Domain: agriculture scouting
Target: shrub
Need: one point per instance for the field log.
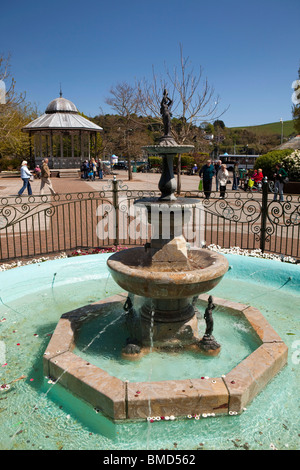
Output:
(186, 161)
(155, 162)
(7, 163)
(268, 161)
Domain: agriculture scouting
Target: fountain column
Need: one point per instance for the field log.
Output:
(162, 273)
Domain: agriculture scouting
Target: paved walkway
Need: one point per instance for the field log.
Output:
(67, 222)
(9, 186)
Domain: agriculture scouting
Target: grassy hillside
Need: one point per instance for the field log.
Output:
(271, 128)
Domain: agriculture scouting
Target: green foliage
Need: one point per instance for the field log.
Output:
(209, 129)
(7, 163)
(155, 162)
(187, 161)
(268, 161)
(219, 123)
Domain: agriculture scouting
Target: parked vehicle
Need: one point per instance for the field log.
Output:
(120, 166)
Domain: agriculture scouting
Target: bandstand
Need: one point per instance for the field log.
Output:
(62, 135)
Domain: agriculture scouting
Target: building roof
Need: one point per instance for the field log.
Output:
(293, 143)
(61, 114)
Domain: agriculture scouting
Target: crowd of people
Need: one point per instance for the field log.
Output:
(252, 181)
(90, 169)
(93, 168)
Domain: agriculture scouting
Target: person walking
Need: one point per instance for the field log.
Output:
(280, 175)
(25, 175)
(236, 177)
(217, 166)
(45, 178)
(208, 172)
(222, 178)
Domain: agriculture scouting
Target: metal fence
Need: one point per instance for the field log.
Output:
(38, 225)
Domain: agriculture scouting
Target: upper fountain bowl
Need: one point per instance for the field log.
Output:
(134, 271)
(168, 146)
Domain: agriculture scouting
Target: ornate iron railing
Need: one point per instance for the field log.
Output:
(31, 226)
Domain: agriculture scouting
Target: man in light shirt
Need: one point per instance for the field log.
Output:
(25, 175)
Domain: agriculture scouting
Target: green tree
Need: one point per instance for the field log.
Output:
(14, 114)
(219, 123)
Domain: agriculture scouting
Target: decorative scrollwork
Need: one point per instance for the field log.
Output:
(245, 210)
(256, 230)
(122, 186)
(284, 214)
(50, 211)
(237, 210)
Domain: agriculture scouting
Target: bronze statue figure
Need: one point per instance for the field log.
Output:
(208, 317)
(208, 342)
(165, 107)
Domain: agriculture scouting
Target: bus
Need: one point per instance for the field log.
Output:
(246, 162)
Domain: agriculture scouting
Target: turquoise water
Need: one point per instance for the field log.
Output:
(236, 336)
(37, 415)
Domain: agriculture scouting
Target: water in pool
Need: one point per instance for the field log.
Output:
(106, 350)
(35, 414)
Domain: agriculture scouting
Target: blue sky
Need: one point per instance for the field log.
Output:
(249, 50)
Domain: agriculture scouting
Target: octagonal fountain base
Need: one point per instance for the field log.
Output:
(123, 400)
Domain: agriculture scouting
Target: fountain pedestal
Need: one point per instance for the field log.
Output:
(170, 322)
(167, 275)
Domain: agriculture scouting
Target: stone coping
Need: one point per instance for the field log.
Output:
(168, 399)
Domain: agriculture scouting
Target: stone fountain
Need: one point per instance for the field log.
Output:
(166, 274)
(164, 280)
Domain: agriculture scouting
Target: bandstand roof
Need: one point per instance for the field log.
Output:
(61, 114)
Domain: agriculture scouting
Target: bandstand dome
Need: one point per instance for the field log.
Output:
(61, 105)
(63, 135)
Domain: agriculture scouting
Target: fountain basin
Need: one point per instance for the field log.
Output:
(134, 271)
(121, 400)
(60, 411)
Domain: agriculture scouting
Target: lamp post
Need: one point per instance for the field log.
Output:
(281, 120)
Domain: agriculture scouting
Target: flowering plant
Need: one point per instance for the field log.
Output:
(291, 163)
